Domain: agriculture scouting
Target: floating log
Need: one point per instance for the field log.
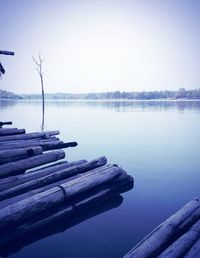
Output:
(13, 181)
(45, 145)
(56, 195)
(165, 234)
(56, 176)
(59, 145)
(13, 240)
(8, 53)
(5, 123)
(181, 246)
(69, 210)
(194, 250)
(44, 135)
(18, 167)
(11, 131)
(17, 154)
(38, 190)
(124, 183)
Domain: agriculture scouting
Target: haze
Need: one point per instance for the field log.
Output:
(95, 46)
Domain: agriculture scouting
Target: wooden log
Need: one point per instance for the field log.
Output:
(54, 177)
(34, 140)
(44, 135)
(38, 190)
(5, 52)
(194, 250)
(5, 123)
(17, 154)
(14, 168)
(11, 131)
(68, 211)
(7, 145)
(56, 196)
(12, 181)
(181, 246)
(59, 145)
(166, 233)
(2, 70)
(45, 145)
(69, 215)
(123, 183)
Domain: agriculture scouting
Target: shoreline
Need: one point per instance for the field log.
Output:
(106, 100)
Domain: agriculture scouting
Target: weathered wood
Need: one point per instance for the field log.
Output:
(5, 52)
(59, 145)
(45, 145)
(5, 123)
(181, 246)
(56, 176)
(123, 183)
(34, 140)
(11, 131)
(166, 233)
(69, 215)
(44, 135)
(56, 195)
(14, 168)
(17, 154)
(194, 250)
(10, 182)
(67, 211)
(2, 70)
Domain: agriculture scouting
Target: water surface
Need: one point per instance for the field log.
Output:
(157, 142)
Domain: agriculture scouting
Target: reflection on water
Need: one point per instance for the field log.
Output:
(157, 142)
(59, 224)
(6, 103)
(118, 106)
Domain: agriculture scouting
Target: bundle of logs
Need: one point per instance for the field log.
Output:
(177, 237)
(36, 195)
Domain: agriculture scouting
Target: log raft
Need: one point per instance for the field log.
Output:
(37, 189)
(177, 237)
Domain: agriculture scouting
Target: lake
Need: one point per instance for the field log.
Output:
(157, 142)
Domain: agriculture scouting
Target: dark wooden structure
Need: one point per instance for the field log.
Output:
(35, 195)
(4, 52)
(177, 237)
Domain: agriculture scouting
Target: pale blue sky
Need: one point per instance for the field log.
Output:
(102, 45)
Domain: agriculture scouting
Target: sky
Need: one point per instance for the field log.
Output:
(101, 45)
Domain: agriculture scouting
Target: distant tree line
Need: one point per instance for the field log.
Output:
(144, 95)
(8, 95)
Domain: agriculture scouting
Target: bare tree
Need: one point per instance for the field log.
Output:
(39, 67)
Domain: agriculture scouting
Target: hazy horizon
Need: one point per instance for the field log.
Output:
(101, 46)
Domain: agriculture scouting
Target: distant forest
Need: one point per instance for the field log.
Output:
(144, 95)
(8, 95)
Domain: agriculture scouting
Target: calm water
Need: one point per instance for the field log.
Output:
(158, 143)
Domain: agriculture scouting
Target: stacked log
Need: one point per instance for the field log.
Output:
(17, 154)
(175, 237)
(11, 131)
(34, 197)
